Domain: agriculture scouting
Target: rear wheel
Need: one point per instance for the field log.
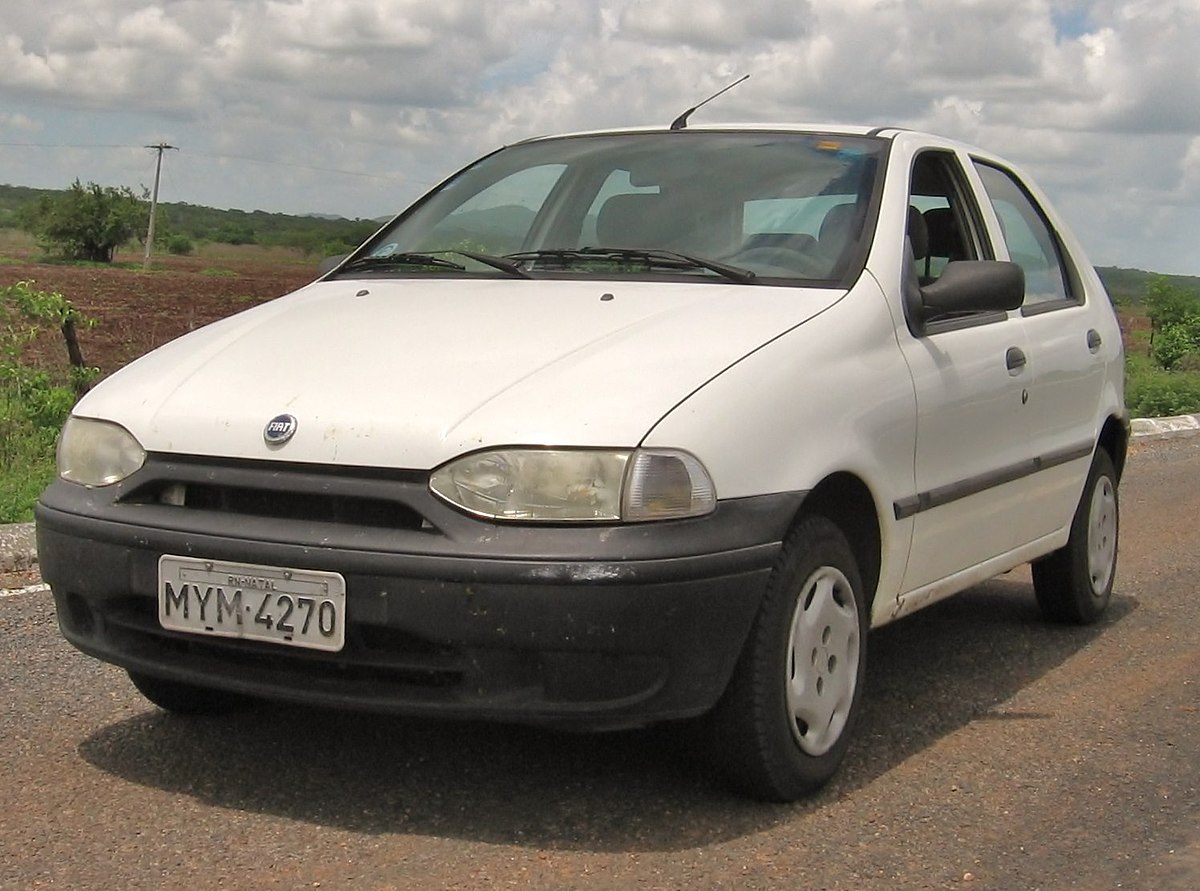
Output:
(785, 722)
(183, 698)
(1074, 584)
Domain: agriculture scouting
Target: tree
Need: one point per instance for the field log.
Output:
(87, 222)
(1168, 304)
(1174, 323)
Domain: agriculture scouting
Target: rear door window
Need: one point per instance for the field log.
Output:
(1031, 241)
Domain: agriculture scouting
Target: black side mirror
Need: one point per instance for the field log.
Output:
(968, 286)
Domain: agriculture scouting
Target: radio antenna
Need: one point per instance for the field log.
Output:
(680, 122)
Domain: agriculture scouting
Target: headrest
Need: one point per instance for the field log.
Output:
(836, 224)
(629, 220)
(942, 233)
(918, 233)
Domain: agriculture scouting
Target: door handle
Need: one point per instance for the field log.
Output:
(1015, 359)
(1094, 340)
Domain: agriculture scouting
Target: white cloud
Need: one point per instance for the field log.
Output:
(19, 123)
(149, 29)
(1191, 171)
(1100, 99)
(713, 24)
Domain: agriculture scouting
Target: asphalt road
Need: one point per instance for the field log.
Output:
(996, 752)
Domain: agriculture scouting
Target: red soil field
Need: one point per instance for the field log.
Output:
(136, 311)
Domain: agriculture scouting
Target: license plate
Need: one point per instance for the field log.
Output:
(293, 607)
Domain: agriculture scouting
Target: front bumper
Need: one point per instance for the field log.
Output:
(588, 627)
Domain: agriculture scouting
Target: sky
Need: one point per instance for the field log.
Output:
(356, 107)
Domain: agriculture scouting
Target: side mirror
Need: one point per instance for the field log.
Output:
(969, 286)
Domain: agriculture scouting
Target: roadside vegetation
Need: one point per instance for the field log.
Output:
(1161, 318)
(34, 402)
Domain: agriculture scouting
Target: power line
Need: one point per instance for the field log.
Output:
(85, 145)
(217, 155)
(297, 166)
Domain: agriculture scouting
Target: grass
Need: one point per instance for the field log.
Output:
(33, 403)
(1151, 392)
(28, 467)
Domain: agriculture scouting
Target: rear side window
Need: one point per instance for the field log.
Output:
(1032, 243)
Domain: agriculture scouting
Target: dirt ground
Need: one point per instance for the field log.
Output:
(136, 311)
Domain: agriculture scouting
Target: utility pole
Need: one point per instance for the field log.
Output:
(160, 148)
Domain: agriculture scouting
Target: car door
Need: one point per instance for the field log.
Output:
(972, 380)
(1068, 356)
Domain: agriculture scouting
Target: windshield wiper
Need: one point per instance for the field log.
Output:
(659, 258)
(501, 263)
(402, 259)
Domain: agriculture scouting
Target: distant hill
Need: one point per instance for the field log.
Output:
(1129, 285)
(13, 198)
(312, 232)
(261, 227)
(497, 230)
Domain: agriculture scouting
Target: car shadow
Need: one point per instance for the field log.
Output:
(929, 675)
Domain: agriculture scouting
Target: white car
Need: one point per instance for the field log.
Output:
(610, 429)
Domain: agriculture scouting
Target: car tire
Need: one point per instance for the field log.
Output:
(782, 727)
(183, 698)
(1074, 584)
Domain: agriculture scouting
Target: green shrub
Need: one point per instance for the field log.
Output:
(1189, 363)
(1151, 392)
(235, 233)
(1162, 377)
(34, 402)
(180, 245)
(335, 248)
(1176, 340)
(86, 222)
(1169, 304)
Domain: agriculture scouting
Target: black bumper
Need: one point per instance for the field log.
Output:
(589, 627)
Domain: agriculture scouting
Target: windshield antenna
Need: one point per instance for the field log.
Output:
(680, 122)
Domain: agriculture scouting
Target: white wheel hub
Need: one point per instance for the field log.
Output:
(1102, 535)
(822, 660)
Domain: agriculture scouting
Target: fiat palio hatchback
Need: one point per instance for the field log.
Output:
(610, 429)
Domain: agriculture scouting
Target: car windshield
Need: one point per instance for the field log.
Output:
(734, 207)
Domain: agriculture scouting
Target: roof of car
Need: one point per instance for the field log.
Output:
(885, 131)
(834, 129)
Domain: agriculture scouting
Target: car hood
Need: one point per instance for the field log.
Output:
(411, 373)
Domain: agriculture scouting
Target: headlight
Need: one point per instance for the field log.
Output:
(97, 453)
(576, 485)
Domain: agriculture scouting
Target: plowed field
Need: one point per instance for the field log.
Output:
(136, 311)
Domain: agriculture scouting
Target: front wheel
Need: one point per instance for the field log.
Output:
(183, 698)
(785, 722)
(1074, 584)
